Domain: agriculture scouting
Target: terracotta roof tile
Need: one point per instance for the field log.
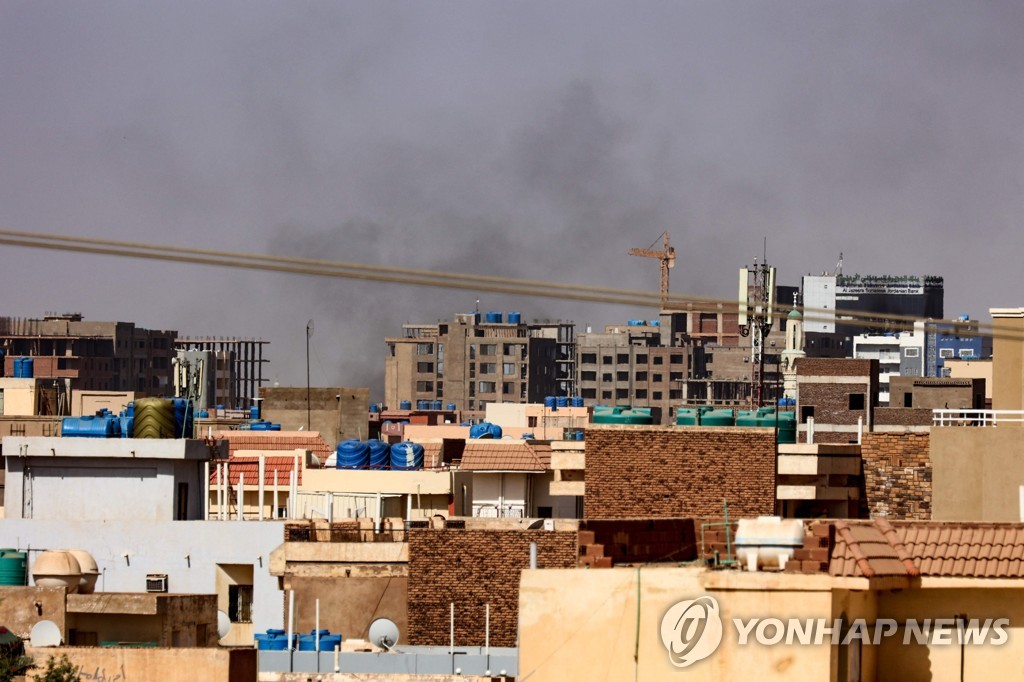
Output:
(972, 550)
(498, 456)
(250, 467)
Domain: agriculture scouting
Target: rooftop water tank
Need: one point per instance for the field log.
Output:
(405, 405)
(687, 416)
(514, 317)
(451, 407)
(768, 541)
(493, 317)
(380, 454)
(352, 454)
(57, 568)
(90, 571)
(90, 426)
(485, 430)
(717, 418)
(550, 401)
(622, 415)
(13, 567)
(406, 456)
(561, 401)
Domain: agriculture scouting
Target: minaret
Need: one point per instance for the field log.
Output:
(794, 350)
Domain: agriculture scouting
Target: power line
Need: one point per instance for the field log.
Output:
(477, 283)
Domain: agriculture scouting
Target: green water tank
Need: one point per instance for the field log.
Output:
(13, 567)
(718, 418)
(686, 416)
(622, 415)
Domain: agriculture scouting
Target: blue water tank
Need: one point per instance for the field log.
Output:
(451, 407)
(422, 404)
(17, 368)
(254, 412)
(529, 436)
(352, 454)
(436, 405)
(405, 405)
(493, 317)
(577, 401)
(562, 401)
(204, 414)
(579, 435)
(374, 408)
(514, 317)
(636, 323)
(406, 456)
(183, 418)
(549, 401)
(655, 323)
(90, 426)
(127, 424)
(380, 454)
(485, 430)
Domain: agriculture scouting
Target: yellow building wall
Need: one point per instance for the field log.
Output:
(19, 396)
(166, 665)
(976, 473)
(585, 625)
(1008, 359)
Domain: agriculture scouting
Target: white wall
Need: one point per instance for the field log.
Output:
(161, 548)
(500, 491)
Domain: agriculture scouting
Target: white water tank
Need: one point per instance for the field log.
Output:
(57, 568)
(768, 541)
(90, 571)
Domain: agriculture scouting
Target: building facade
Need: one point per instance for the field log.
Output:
(473, 361)
(861, 297)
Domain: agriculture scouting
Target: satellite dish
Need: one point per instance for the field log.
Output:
(223, 624)
(384, 633)
(45, 633)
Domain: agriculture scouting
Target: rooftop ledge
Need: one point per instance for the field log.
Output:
(118, 448)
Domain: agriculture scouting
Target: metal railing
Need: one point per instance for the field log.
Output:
(956, 417)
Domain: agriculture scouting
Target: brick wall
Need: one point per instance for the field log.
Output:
(677, 472)
(902, 416)
(643, 540)
(831, 402)
(474, 568)
(836, 367)
(897, 475)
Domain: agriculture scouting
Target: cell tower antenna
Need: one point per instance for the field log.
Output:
(839, 265)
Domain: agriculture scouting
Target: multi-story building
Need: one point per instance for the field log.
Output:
(95, 356)
(898, 354)
(958, 340)
(830, 299)
(471, 361)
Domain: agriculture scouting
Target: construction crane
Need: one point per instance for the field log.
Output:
(667, 256)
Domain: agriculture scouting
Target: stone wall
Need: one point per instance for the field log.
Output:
(897, 475)
(474, 568)
(677, 472)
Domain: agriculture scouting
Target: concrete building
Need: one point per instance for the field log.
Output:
(836, 399)
(336, 413)
(971, 369)
(73, 353)
(960, 339)
(898, 354)
(936, 393)
(104, 479)
(470, 362)
(827, 297)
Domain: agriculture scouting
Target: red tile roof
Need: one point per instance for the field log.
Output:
(497, 456)
(250, 466)
(928, 548)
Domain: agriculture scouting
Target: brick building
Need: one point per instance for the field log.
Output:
(473, 568)
(897, 475)
(833, 394)
(937, 393)
(676, 472)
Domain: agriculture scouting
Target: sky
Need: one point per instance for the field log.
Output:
(528, 139)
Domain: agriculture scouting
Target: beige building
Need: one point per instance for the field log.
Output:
(887, 585)
(470, 363)
(1008, 356)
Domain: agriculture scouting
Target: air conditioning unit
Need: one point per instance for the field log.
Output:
(156, 582)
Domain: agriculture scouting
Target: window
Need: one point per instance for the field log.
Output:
(622, 394)
(589, 393)
(856, 401)
(622, 376)
(440, 369)
(659, 360)
(945, 352)
(509, 349)
(472, 370)
(675, 395)
(425, 367)
(641, 393)
(440, 352)
(588, 376)
(508, 368)
(606, 395)
(806, 412)
(240, 603)
(522, 371)
(966, 353)
(912, 352)
(641, 376)
(675, 376)
(472, 392)
(676, 359)
(488, 349)
(908, 399)
(622, 358)
(181, 511)
(508, 388)
(657, 378)
(589, 359)
(486, 386)
(488, 368)
(606, 360)
(424, 349)
(425, 386)
(641, 359)
(607, 376)
(531, 422)
(656, 395)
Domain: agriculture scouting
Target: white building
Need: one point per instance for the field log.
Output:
(898, 354)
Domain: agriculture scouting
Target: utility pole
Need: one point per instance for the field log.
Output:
(309, 335)
(667, 256)
(756, 315)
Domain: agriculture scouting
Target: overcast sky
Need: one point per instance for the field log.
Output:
(527, 139)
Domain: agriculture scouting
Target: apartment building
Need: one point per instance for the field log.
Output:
(83, 355)
(474, 360)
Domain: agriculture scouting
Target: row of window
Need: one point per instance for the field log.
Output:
(657, 378)
(623, 394)
(623, 358)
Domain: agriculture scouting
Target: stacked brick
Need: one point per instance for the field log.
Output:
(591, 553)
(813, 557)
(717, 543)
(897, 475)
(642, 541)
(676, 472)
(474, 568)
